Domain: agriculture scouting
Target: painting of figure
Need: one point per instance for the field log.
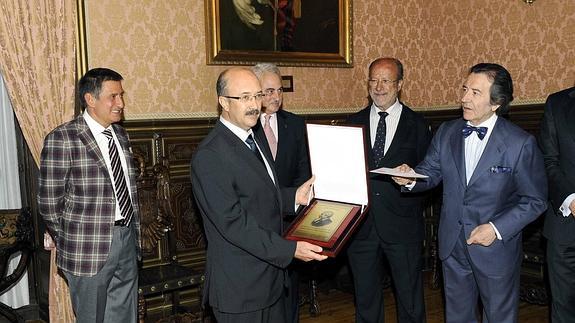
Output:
(279, 25)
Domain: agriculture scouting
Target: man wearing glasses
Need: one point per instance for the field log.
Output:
(236, 190)
(284, 133)
(394, 226)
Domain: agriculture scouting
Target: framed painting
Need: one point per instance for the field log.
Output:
(285, 32)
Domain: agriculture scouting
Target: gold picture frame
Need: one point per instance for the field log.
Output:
(328, 224)
(238, 34)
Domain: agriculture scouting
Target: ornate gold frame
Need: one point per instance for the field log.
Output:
(216, 56)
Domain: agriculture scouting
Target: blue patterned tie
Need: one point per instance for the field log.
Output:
(467, 130)
(122, 192)
(252, 143)
(379, 144)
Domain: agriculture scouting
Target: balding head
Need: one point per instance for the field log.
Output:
(240, 96)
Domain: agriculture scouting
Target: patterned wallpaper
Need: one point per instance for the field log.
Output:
(159, 48)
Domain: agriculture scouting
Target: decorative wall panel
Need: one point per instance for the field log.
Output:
(159, 47)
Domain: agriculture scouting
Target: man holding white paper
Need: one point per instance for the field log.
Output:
(394, 225)
(494, 184)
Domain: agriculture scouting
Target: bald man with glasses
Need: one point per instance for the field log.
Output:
(236, 189)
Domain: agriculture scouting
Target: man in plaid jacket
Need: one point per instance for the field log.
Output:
(89, 203)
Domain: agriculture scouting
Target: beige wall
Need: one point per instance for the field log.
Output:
(159, 48)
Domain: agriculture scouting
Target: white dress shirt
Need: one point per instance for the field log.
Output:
(102, 142)
(474, 148)
(391, 122)
(273, 123)
(243, 135)
(564, 208)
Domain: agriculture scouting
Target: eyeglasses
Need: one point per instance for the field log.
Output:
(245, 98)
(272, 91)
(374, 82)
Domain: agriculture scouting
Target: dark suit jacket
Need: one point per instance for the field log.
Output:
(241, 209)
(508, 188)
(557, 141)
(397, 216)
(292, 160)
(76, 198)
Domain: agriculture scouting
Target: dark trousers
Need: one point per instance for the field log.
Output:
(561, 266)
(405, 261)
(292, 293)
(272, 314)
(464, 282)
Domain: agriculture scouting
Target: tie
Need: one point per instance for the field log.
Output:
(270, 136)
(467, 130)
(122, 193)
(379, 144)
(250, 141)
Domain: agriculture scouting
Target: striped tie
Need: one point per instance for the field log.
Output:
(122, 193)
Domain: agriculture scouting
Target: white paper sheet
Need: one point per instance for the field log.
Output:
(337, 158)
(393, 172)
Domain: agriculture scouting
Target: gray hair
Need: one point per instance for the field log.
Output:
(261, 68)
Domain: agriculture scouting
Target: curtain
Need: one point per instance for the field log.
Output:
(10, 198)
(37, 60)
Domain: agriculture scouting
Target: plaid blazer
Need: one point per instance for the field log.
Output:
(76, 198)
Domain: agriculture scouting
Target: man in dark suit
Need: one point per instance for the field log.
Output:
(394, 225)
(236, 188)
(285, 134)
(87, 196)
(557, 141)
(494, 184)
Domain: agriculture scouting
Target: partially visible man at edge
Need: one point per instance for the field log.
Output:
(236, 188)
(284, 133)
(88, 199)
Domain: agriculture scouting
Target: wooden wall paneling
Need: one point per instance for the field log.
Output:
(173, 143)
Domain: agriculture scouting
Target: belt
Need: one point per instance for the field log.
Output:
(120, 223)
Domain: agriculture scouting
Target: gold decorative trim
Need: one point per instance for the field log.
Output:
(215, 55)
(516, 103)
(182, 115)
(81, 45)
(308, 111)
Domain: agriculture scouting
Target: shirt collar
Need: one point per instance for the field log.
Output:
(263, 116)
(239, 132)
(393, 110)
(489, 123)
(94, 126)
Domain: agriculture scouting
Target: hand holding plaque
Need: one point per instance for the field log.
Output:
(304, 193)
(306, 251)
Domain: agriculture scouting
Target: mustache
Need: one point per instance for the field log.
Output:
(255, 112)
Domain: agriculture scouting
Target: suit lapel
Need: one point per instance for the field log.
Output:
(403, 127)
(456, 144)
(364, 120)
(492, 153)
(245, 154)
(282, 133)
(90, 143)
(267, 154)
(570, 112)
